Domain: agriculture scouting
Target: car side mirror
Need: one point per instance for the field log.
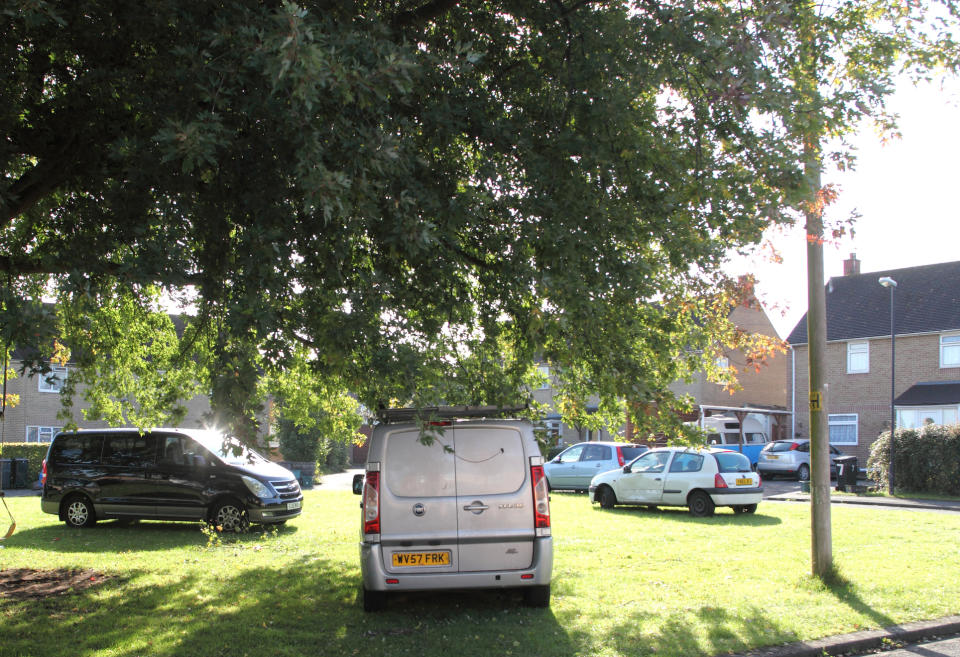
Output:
(357, 484)
(627, 469)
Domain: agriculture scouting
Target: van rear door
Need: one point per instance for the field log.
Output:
(494, 502)
(418, 503)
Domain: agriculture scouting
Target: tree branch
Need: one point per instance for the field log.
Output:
(423, 13)
(27, 265)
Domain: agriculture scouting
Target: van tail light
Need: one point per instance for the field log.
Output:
(718, 481)
(541, 501)
(620, 455)
(43, 478)
(371, 503)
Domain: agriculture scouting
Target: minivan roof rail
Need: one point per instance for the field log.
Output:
(388, 415)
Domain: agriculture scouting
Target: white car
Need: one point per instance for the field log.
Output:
(682, 476)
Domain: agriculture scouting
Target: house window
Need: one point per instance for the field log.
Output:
(858, 357)
(723, 362)
(41, 434)
(545, 373)
(843, 429)
(950, 350)
(916, 418)
(552, 428)
(53, 380)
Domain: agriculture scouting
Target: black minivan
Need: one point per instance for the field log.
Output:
(164, 474)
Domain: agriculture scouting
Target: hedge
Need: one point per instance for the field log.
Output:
(927, 460)
(33, 452)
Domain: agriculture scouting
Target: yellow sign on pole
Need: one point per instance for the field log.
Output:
(816, 401)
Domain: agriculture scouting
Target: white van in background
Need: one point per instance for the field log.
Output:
(469, 510)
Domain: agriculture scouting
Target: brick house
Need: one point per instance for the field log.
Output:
(763, 390)
(926, 306)
(34, 419)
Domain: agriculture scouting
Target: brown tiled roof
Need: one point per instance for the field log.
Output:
(926, 300)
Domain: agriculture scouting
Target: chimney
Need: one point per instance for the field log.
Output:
(851, 267)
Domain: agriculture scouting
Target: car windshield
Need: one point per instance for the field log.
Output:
(732, 462)
(228, 448)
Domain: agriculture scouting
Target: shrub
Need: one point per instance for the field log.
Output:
(927, 460)
(33, 452)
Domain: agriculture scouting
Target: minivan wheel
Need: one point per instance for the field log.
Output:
(803, 472)
(78, 512)
(229, 516)
(537, 596)
(701, 506)
(608, 499)
(374, 600)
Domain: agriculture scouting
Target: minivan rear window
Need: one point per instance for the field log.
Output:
(82, 449)
(489, 460)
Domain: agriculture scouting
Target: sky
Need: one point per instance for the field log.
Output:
(907, 193)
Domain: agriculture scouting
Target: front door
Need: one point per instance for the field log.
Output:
(182, 473)
(644, 483)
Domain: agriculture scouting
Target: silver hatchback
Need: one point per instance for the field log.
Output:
(791, 458)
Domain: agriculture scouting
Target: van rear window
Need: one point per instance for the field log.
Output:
(413, 469)
(489, 460)
(82, 449)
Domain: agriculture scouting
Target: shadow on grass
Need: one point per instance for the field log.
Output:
(846, 592)
(120, 536)
(311, 608)
(680, 514)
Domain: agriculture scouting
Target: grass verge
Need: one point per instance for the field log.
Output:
(626, 582)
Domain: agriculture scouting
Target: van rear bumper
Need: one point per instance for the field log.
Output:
(375, 576)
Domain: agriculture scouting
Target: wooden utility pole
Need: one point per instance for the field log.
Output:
(813, 133)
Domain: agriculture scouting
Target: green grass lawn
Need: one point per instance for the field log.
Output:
(626, 582)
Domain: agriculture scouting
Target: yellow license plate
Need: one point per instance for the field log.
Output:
(420, 559)
(772, 457)
(745, 482)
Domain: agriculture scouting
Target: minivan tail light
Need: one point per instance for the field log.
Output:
(718, 481)
(620, 455)
(43, 478)
(371, 503)
(541, 501)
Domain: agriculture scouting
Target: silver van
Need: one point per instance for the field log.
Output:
(469, 510)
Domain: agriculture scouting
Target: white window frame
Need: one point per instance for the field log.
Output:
(860, 348)
(912, 417)
(950, 350)
(59, 374)
(41, 434)
(844, 420)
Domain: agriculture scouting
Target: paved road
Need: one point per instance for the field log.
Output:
(941, 648)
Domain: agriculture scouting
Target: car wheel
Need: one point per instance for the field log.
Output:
(749, 508)
(374, 600)
(701, 506)
(652, 507)
(537, 596)
(608, 499)
(78, 512)
(229, 516)
(803, 472)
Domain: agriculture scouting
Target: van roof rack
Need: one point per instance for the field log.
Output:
(388, 415)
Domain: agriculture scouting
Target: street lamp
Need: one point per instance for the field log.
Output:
(886, 281)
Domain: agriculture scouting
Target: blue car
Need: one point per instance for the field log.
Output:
(574, 467)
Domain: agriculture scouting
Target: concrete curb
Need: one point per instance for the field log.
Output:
(865, 641)
(941, 505)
